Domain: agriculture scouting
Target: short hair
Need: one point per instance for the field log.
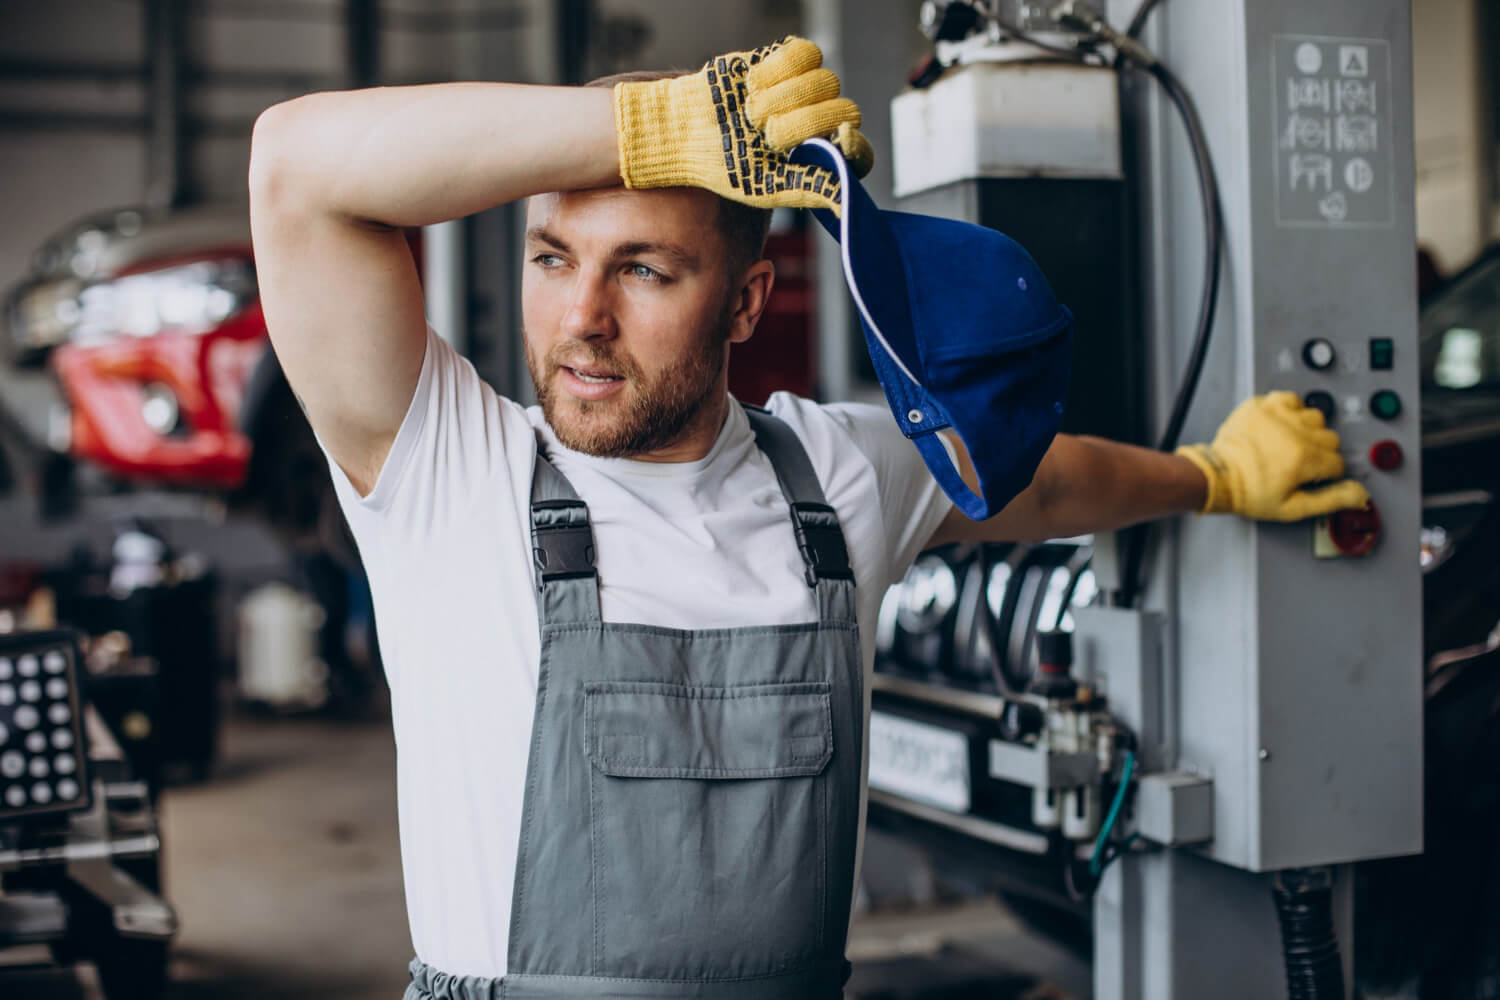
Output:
(743, 227)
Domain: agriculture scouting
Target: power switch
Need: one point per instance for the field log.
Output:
(1346, 533)
(1382, 354)
(1318, 354)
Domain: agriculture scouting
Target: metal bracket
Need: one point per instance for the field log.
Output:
(137, 911)
(1175, 808)
(1040, 768)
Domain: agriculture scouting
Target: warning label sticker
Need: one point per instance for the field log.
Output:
(1333, 147)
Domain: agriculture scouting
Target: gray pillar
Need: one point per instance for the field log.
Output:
(870, 45)
(166, 159)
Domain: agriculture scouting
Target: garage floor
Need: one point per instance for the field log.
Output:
(286, 877)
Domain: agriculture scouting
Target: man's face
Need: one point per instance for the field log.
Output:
(627, 310)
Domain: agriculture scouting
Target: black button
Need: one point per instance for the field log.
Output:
(1324, 403)
(1382, 354)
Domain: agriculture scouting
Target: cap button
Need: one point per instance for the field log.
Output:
(1021, 284)
(915, 416)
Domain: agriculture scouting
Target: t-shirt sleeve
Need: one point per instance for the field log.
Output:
(457, 434)
(912, 505)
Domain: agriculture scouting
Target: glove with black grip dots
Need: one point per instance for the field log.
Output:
(728, 128)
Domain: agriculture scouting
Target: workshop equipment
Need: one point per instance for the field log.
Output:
(42, 751)
(1263, 722)
(79, 845)
(163, 602)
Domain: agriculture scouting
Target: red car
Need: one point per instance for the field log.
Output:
(144, 333)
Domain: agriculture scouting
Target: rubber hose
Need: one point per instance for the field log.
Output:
(1314, 970)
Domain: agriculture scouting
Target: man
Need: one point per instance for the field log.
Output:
(658, 791)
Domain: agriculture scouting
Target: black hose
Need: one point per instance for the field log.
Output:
(1129, 50)
(1314, 970)
(1213, 237)
(1138, 22)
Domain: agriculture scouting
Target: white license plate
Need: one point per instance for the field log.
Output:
(926, 763)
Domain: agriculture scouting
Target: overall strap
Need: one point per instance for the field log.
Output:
(562, 547)
(819, 537)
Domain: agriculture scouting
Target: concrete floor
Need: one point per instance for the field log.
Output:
(286, 877)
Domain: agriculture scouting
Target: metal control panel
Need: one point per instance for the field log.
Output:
(1294, 650)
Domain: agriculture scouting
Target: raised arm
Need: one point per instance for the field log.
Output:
(333, 178)
(334, 175)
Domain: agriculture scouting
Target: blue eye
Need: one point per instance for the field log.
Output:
(546, 260)
(646, 273)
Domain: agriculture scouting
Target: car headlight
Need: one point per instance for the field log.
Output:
(194, 297)
(188, 298)
(42, 315)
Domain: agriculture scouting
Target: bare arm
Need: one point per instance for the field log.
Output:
(333, 177)
(1084, 484)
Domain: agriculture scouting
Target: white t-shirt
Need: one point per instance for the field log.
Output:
(445, 538)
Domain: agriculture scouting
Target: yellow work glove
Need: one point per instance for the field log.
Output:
(729, 126)
(1263, 456)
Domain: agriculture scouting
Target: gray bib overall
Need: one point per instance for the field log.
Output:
(692, 797)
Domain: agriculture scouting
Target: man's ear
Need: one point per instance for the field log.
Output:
(750, 300)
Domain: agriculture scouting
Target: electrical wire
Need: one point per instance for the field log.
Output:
(1129, 51)
(1213, 229)
(1213, 236)
(1076, 54)
(1138, 22)
(1127, 771)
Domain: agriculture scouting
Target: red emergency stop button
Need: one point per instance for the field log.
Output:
(1355, 532)
(1386, 456)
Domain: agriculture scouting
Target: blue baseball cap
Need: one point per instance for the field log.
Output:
(963, 331)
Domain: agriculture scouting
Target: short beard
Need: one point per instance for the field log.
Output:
(655, 413)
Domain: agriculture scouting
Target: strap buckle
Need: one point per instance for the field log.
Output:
(821, 543)
(563, 541)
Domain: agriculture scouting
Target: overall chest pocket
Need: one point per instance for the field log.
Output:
(708, 813)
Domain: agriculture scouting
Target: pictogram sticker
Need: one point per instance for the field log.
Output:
(1332, 141)
(1354, 60)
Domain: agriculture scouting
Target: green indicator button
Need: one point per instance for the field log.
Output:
(1382, 354)
(1386, 405)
